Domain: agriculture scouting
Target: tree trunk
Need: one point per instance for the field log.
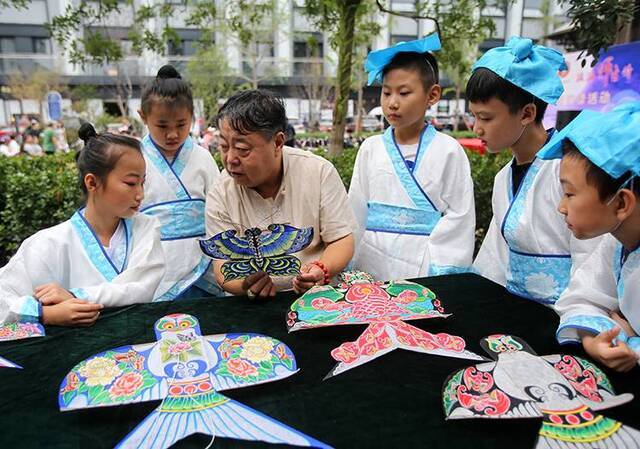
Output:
(346, 29)
(359, 109)
(456, 111)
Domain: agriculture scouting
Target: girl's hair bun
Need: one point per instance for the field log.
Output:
(168, 71)
(87, 132)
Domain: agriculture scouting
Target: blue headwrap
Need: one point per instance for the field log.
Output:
(533, 68)
(379, 59)
(611, 140)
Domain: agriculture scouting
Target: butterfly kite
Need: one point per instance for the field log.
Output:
(384, 307)
(269, 251)
(186, 371)
(565, 391)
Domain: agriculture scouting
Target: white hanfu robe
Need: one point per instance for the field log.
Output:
(608, 281)
(415, 218)
(70, 254)
(175, 193)
(528, 247)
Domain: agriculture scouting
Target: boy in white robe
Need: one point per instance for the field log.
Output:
(106, 255)
(411, 188)
(527, 247)
(600, 172)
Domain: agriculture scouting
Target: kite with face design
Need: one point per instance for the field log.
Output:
(563, 390)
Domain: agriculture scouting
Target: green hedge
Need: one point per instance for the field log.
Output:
(36, 193)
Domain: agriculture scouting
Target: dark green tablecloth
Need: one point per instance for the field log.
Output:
(391, 402)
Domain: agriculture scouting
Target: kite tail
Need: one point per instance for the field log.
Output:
(210, 413)
(582, 428)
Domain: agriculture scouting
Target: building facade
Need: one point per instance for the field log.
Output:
(293, 59)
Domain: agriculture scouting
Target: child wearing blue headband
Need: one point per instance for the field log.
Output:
(527, 247)
(411, 189)
(599, 173)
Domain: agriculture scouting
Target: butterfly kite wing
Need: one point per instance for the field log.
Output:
(284, 265)
(282, 239)
(227, 246)
(116, 376)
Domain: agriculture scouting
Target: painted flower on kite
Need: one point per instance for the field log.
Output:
(241, 368)
(126, 385)
(100, 371)
(257, 349)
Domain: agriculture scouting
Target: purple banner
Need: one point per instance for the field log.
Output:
(613, 80)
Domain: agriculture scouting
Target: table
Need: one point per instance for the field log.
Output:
(391, 402)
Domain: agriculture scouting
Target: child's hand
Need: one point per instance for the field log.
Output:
(623, 323)
(74, 312)
(310, 275)
(52, 293)
(259, 285)
(619, 357)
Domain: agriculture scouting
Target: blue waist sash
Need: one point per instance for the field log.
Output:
(424, 216)
(401, 220)
(539, 277)
(179, 219)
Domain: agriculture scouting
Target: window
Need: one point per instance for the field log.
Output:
(395, 38)
(264, 49)
(186, 47)
(404, 26)
(532, 28)
(533, 4)
(40, 45)
(7, 45)
(308, 45)
(24, 44)
(499, 23)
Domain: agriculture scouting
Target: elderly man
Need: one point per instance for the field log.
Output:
(266, 182)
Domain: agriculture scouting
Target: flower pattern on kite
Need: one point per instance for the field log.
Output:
(563, 390)
(269, 251)
(19, 330)
(185, 370)
(385, 307)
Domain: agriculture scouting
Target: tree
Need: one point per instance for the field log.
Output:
(341, 18)
(35, 86)
(248, 24)
(463, 30)
(80, 96)
(315, 87)
(596, 24)
(211, 79)
(252, 26)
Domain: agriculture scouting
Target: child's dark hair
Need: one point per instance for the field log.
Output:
(254, 110)
(167, 87)
(485, 85)
(100, 153)
(605, 184)
(423, 63)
